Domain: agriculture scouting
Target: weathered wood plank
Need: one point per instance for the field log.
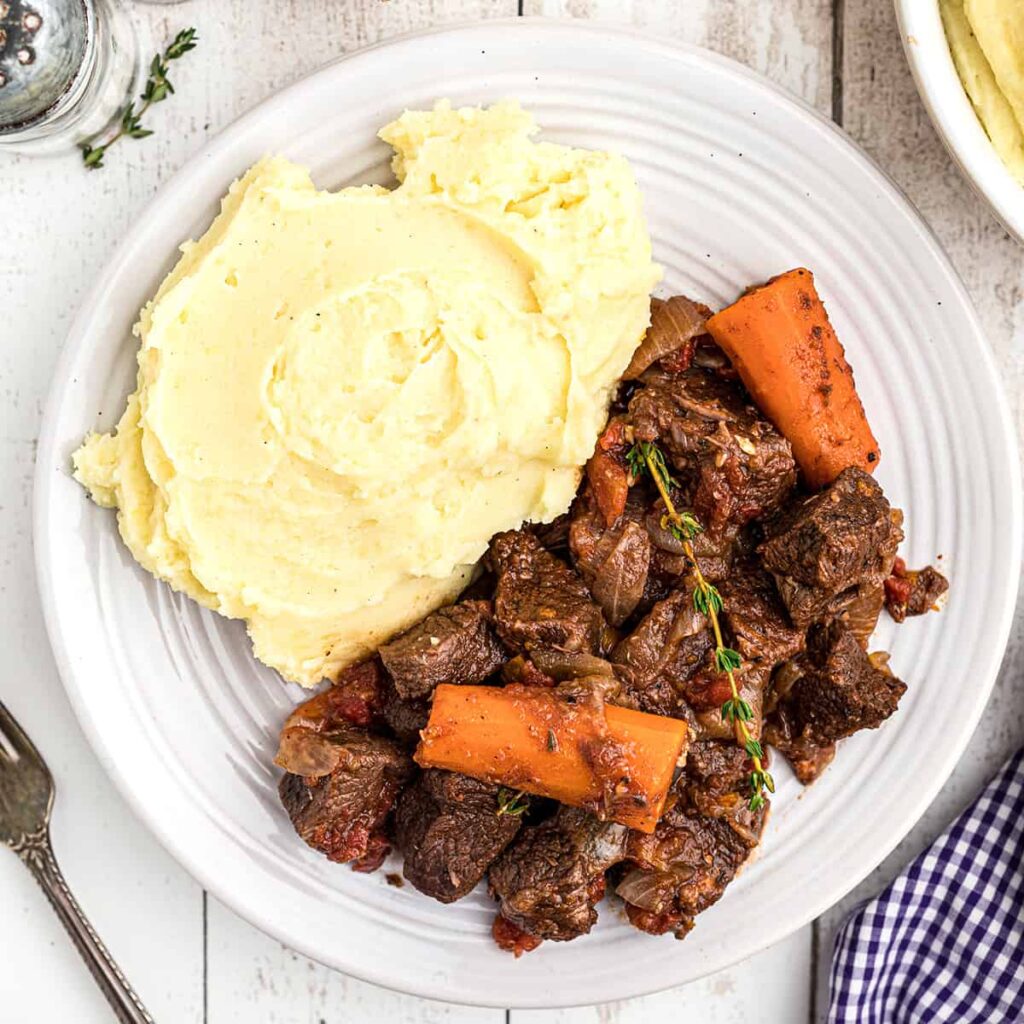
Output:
(255, 979)
(772, 986)
(790, 42)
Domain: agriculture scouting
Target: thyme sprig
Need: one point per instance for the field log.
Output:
(158, 87)
(512, 802)
(645, 456)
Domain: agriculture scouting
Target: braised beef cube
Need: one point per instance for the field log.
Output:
(716, 784)
(670, 647)
(453, 645)
(539, 602)
(841, 690)
(755, 619)
(913, 592)
(927, 586)
(807, 758)
(737, 465)
(448, 828)
(405, 718)
(613, 560)
(342, 812)
(551, 878)
(832, 547)
(697, 847)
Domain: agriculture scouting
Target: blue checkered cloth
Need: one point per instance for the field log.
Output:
(945, 941)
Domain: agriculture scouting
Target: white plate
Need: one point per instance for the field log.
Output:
(740, 181)
(942, 93)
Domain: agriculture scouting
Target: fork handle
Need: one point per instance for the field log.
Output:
(37, 853)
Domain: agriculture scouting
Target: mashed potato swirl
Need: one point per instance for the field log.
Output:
(343, 395)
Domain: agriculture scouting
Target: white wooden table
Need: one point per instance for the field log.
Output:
(191, 959)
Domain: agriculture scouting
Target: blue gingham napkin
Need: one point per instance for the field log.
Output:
(945, 941)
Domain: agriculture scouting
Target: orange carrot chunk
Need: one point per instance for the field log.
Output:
(611, 760)
(781, 343)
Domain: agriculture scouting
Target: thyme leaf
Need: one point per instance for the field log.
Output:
(512, 802)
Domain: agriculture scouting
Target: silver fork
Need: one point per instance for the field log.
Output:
(26, 799)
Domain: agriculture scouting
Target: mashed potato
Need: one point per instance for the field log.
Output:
(343, 395)
(986, 39)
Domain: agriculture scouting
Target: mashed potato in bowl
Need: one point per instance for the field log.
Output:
(986, 40)
(343, 395)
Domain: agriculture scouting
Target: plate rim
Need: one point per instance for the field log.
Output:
(76, 339)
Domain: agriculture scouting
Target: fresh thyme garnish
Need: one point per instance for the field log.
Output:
(511, 801)
(158, 88)
(552, 740)
(645, 456)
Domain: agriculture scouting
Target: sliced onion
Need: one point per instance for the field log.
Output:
(653, 890)
(673, 323)
(880, 661)
(618, 585)
(862, 613)
(303, 752)
(570, 664)
(710, 357)
(785, 677)
(661, 538)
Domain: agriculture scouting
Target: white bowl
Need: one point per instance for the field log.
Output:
(942, 92)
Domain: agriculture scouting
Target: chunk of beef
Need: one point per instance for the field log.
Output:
(698, 846)
(827, 550)
(539, 602)
(755, 620)
(807, 758)
(681, 870)
(841, 691)
(343, 812)
(613, 559)
(737, 465)
(405, 718)
(657, 661)
(834, 690)
(551, 878)
(448, 829)
(453, 645)
(913, 592)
